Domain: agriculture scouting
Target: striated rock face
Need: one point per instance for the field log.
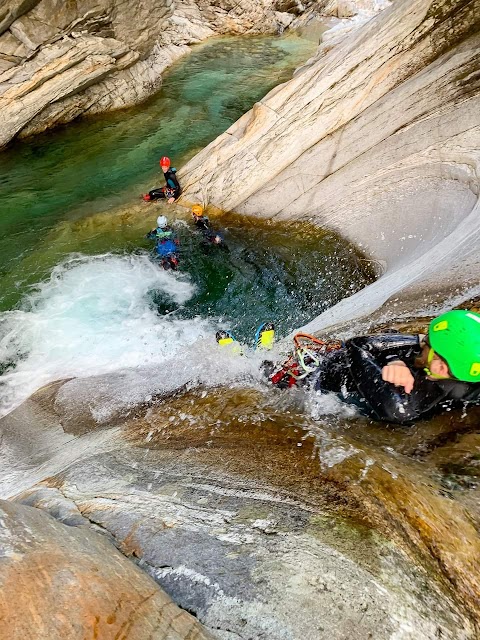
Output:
(61, 60)
(377, 138)
(66, 581)
(261, 523)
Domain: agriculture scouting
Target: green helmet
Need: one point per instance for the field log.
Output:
(455, 336)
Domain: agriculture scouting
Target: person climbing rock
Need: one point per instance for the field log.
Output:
(167, 245)
(171, 191)
(264, 338)
(201, 221)
(393, 377)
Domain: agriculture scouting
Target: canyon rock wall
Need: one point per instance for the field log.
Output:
(62, 60)
(376, 137)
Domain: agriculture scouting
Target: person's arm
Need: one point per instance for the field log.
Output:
(367, 357)
(151, 234)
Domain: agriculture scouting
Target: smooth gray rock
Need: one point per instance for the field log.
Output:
(377, 138)
(60, 581)
(61, 60)
(239, 526)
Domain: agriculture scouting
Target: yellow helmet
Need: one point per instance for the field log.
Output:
(197, 210)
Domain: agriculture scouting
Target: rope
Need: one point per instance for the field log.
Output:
(306, 356)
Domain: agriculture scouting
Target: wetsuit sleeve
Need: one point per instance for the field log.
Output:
(473, 394)
(366, 358)
(151, 234)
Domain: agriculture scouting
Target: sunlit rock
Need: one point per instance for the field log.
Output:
(66, 581)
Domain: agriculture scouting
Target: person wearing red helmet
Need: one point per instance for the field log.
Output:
(171, 191)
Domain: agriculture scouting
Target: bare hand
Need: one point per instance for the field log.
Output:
(398, 374)
(171, 200)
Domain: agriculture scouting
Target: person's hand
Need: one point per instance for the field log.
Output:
(171, 200)
(398, 374)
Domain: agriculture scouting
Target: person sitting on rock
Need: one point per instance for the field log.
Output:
(171, 191)
(393, 377)
(202, 223)
(167, 245)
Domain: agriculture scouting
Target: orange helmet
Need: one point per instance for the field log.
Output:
(197, 210)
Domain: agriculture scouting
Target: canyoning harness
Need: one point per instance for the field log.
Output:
(169, 193)
(306, 358)
(172, 190)
(162, 235)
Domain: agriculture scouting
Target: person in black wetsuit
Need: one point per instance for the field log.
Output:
(202, 223)
(171, 191)
(399, 378)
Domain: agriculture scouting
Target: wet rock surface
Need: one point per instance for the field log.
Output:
(375, 137)
(67, 581)
(62, 60)
(261, 523)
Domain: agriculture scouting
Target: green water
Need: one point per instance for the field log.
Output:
(76, 190)
(92, 166)
(287, 273)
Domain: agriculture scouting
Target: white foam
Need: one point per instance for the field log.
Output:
(93, 315)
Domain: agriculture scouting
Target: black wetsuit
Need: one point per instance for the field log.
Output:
(172, 188)
(209, 235)
(202, 223)
(355, 371)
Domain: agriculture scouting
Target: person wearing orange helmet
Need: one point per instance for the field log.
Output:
(201, 221)
(171, 191)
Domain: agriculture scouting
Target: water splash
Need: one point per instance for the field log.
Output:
(93, 315)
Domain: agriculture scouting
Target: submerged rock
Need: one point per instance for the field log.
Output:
(65, 581)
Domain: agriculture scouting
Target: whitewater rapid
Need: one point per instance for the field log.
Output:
(94, 315)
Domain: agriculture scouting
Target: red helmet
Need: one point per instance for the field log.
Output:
(147, 197)
(165, 162)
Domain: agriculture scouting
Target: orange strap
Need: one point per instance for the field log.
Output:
(330, 345)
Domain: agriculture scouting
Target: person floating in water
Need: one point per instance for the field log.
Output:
(393, 377)
(264, 338)
(171, 191)
(201, 221)
(167, 245)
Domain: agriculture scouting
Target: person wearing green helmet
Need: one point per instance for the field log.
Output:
(396, 377)
(451, 351)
